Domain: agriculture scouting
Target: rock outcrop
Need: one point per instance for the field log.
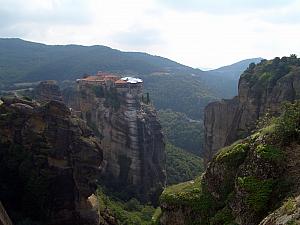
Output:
(47, 90)
(288, 213)
(131, 139)
(4, 218)
(254, 176)
(262, 89)
(49, 164)
(243, 182)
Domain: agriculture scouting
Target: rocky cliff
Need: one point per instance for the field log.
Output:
(255, 180)
(131, 139)
(46, 91)
(262, 89)
(49, 164)
(244, 182)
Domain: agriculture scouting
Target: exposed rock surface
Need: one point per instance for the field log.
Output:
(254, 176)
(49, 163)
(262, 90)
(131, 139)
(4, 218)
(47, 90)
(288, 213)
(243, 182)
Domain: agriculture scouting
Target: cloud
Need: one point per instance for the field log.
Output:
(206, 33)
(44, 12)
(224, 6)
(138, 36)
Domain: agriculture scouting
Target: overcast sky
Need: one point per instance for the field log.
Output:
(198, 33)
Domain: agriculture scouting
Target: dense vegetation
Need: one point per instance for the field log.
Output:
(258, 190)
(182, 131)
(131, 212)
(267, 72)
(179, 92)
(181, 165)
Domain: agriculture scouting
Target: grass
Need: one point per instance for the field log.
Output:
(269, 152)
(289, 206)
(192, 194)
(258, 190)
(192, 186)
(233, 155)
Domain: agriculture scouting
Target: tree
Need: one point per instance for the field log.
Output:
(251, 67)
(148, 98)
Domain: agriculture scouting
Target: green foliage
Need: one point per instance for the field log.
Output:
(269, 152)
(127, 213)
(223, 217)
(182, 131)
(156, 216)
(259, 191)
(180, 92)
(292, 222)
(233, 155)
(268, 72)
(181, 165)
(287, 127)
(289, 206)
(190, 193)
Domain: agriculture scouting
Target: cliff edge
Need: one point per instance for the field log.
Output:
(262, 89)
(49, 164)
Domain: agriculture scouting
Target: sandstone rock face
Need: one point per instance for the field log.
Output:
(230, 120)
(250, 178)
(131, 139)
(47, 90)
(289, 213)
(50, 162)
(4, 218)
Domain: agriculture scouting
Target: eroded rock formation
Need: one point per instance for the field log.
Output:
(262, 89)
(47, 90)
(131, 138)
(49, 163)
(254, 176)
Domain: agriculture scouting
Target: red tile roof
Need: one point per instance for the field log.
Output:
(120, 82)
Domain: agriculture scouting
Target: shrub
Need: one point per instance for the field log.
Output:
(259, 191)
(223, 216)
(127, 213)
(233, 155)
(289, 206)
(192, 194)
(288, 124)
(269, 152)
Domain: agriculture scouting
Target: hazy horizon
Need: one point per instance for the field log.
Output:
(200, 34)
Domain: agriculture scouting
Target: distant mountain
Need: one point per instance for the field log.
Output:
(234, 71)
(28, 61)
(225, 79)
(171, 85)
